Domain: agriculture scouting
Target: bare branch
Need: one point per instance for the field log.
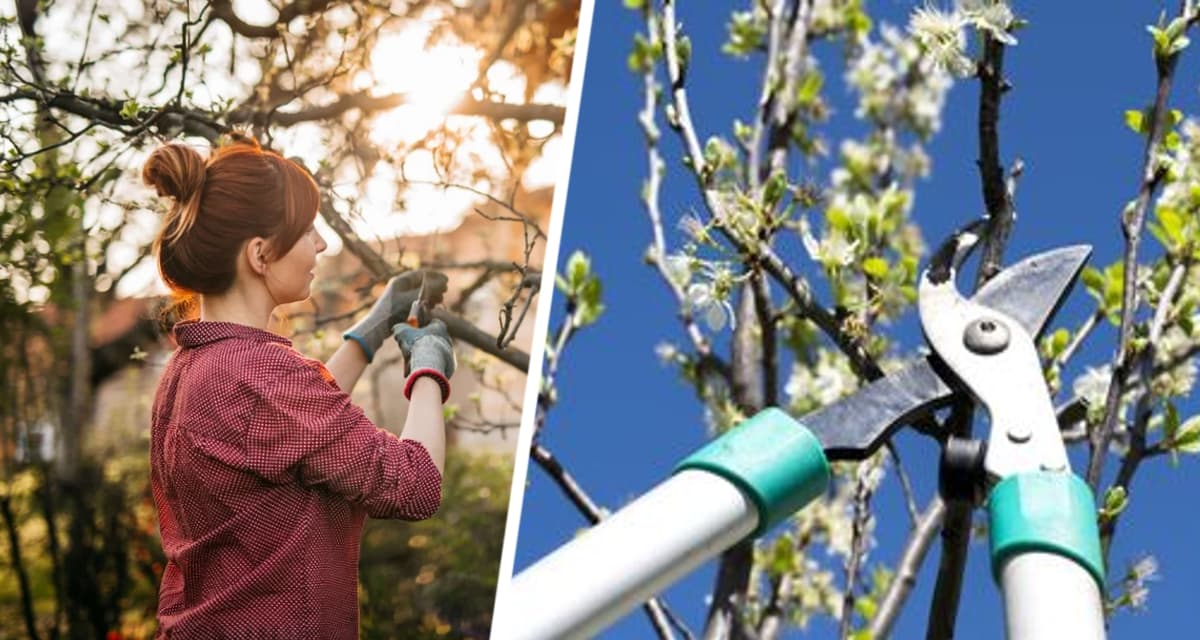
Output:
(956, 536)
(1142, 409)
(223, 10)
(996, 195)
(858, 544)
(366, 103)
(910, 499)
(909, 566)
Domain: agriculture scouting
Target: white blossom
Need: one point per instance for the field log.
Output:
(834, 250)
(667, 353)
(940, 34)
(992, 16)
(702, 299)
(1145, 569)
(678, 268)
(829, 380)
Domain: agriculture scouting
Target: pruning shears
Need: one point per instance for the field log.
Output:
(418, 313)
(1045, 547)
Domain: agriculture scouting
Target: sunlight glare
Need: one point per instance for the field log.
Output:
(433, 78)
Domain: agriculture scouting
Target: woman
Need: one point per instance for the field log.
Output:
(261, 467)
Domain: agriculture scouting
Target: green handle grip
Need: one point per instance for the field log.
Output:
(1046, 511)
(773, 459)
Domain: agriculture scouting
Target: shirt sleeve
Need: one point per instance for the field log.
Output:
(305, 428)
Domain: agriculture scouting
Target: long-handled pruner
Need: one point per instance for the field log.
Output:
(1045, 546)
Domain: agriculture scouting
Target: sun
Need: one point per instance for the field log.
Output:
(432, 78)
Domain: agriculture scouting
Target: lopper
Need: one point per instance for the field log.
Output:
(1045, 548)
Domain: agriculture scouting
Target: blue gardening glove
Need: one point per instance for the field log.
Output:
(393, 306)
(427, 352)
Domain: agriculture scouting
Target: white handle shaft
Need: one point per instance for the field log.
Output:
(1050, 597)
(608, 570)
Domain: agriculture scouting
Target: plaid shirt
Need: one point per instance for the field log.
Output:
(262, 472)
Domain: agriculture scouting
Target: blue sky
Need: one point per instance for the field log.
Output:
(624, 419)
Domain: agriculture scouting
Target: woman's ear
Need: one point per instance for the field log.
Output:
(256, 255)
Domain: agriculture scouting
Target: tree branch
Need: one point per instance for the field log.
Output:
(223, 10)
(796, 286)
(366, 103)
(858, 544)
(1137, 433)
(996, 196)
(956, 535)
(909, 566)
(1133, 218)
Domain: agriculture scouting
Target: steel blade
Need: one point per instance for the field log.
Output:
(1030, 291)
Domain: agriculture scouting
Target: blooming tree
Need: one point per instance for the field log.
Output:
(793, 347)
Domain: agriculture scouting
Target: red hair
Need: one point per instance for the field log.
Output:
(240, 192)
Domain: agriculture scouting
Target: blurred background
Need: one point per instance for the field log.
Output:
(434, 132)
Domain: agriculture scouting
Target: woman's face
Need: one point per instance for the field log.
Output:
(289, 277)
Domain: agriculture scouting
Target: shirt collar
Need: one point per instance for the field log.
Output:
(194, 333)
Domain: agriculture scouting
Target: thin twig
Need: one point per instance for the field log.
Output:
(767, 95)
(858, 544)
(1142, 409)
(907, 569)
(910, 498)
(795, 285)
(1132, 220)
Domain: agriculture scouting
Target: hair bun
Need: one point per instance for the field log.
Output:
(175, 170)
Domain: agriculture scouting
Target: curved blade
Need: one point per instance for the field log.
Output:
(1031, 292)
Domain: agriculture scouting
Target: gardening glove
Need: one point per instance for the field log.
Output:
(393, 306)
(427, 352)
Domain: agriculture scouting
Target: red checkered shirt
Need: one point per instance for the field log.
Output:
(262, 472)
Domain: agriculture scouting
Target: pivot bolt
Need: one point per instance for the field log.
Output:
(986, 336)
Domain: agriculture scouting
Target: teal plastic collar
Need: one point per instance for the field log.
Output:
(1045, 511)
(777, 462)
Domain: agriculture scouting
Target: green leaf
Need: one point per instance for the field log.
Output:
(1115, 501)
(774, 189)
(1170, 428)
(1170, 421)
(1135, 120)
(1054, 344)
(578, 269)
(129, 110)
(747, 30)
(1171, 140)
(1187, 437)
(742, 131)
(866, 607)
(683, 50)
(1093, 281)
(810, 88)
(875, 267)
